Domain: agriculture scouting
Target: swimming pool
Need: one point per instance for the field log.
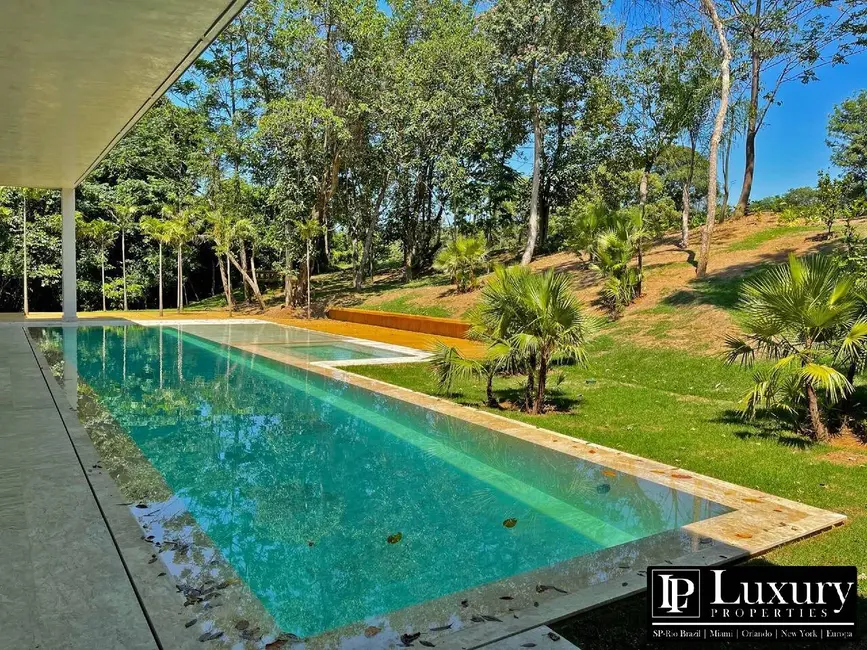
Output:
(337, 505)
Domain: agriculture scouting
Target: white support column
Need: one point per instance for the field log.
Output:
(67, 209)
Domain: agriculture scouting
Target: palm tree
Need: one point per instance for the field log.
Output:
(308, 231)
(124, 216)
(613, 252)
(180, 230)
(103, 233)
(552, 327)
(157, 230)
(223, 230)
(529, 322)
(461, 258)
(804, 315)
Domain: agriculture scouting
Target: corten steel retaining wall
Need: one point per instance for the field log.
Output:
(426, 324)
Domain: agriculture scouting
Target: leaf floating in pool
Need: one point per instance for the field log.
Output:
(407, 639)
(493, 619)
(506, 598)
(510, 522)
(371, 631)
(394, 539)
(477, 619)
(608, 472)
(441, 628)
(528, 645)
(465, 603)
(275, 645)
(543, 588)
(141, 506)
(242, 625)
(191, 622)
(603, 488)
(427, 644)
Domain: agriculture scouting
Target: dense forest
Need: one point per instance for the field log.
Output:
(323, 134)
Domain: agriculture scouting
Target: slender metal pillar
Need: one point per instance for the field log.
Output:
(67, 209)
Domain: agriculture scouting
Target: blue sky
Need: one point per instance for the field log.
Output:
(791, 147)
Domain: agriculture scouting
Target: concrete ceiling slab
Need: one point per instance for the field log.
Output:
(75, 75)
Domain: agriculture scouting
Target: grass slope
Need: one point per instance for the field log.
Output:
(680, 408)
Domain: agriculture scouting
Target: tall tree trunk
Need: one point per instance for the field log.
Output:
(642, 202)
(180, 279)
(24, 255)
(687, 186)
(820, 431)
(727, 156)
(253, 275)
(229, 277)
(246, 269)
(719, 123)
(308, 279)
(245, 277)
(287, 280)
(533, 232)
(752, 116)
(123, 265)
(161, 285)
(489, 390)
(367, 248)
(102, 268)
(227, 292)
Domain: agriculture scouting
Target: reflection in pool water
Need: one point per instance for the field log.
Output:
(334, 503)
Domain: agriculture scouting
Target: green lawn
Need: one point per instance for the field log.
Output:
(756, 239)
(404, 305)
(681, 409)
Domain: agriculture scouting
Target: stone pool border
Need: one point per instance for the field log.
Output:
(759, 522)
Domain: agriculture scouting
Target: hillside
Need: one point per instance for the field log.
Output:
(676, 310)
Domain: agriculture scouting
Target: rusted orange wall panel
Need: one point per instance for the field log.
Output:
(427, 324)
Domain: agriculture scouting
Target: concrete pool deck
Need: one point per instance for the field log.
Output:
(63, 583)
(759, 522)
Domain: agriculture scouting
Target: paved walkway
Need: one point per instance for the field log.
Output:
(62, 583)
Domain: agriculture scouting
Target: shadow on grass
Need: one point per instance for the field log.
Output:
(764, 428)
(511, 399)
(623, 626)
(722, 288)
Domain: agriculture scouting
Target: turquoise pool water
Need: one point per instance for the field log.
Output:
(335, 504)
(334, 352)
